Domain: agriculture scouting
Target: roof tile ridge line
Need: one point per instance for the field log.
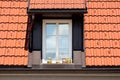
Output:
(103, 47)
(13, 30)
(101, 8)
(56, 3)
(20, 55)
(15, 0)
(105, 56)
(102, 15)
(102, 1)
(13, 47)
(12, 38)
(102, 39)
(13, 7)
(98, 39)
(14, 22)
(101, 31)
(12, 15)
(101, 23)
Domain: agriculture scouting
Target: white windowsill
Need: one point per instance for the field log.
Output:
(58, 66)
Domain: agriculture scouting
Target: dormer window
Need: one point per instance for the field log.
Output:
(56, 33)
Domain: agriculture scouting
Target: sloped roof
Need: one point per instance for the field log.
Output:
(57, 4)
(101, 26)
(13, 24)
(102, 33)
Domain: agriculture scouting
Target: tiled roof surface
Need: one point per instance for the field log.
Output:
(102, 33)
(13, 24)
(57, 4)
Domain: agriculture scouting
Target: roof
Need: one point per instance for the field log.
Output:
(101, 27)
(57, 4)
(102, 33)
(13, 24)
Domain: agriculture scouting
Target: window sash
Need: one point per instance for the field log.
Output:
(57, 22)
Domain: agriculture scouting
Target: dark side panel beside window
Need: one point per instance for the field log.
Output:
(37, 35)
(77, 32)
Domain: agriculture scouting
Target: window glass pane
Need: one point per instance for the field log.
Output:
(63, 42)
(50, 54)
(51, 29)
(64, 53)
(63, 29)
(50, 42)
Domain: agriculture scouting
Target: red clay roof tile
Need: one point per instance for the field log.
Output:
(22, 27)
(13, 25)
(57, 4)
(102, 33)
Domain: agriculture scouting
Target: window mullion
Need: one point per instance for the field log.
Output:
(45, 40)
(57, 45)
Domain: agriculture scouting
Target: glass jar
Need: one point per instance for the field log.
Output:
(57, 62)
(69, 60)
(63, 60)
(49, 61)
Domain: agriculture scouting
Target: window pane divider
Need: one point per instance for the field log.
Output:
(57, 50)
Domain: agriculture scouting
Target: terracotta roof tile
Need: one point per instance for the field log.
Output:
(13, 25)
(57, 4)
(103, 61)
(13, 11)
(102, 30)
(22, 11)
(102, 33)
(22, 27)
(22, 19)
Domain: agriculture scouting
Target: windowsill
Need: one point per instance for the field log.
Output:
(57, 66)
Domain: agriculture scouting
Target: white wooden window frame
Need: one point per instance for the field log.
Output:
(57, 21)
